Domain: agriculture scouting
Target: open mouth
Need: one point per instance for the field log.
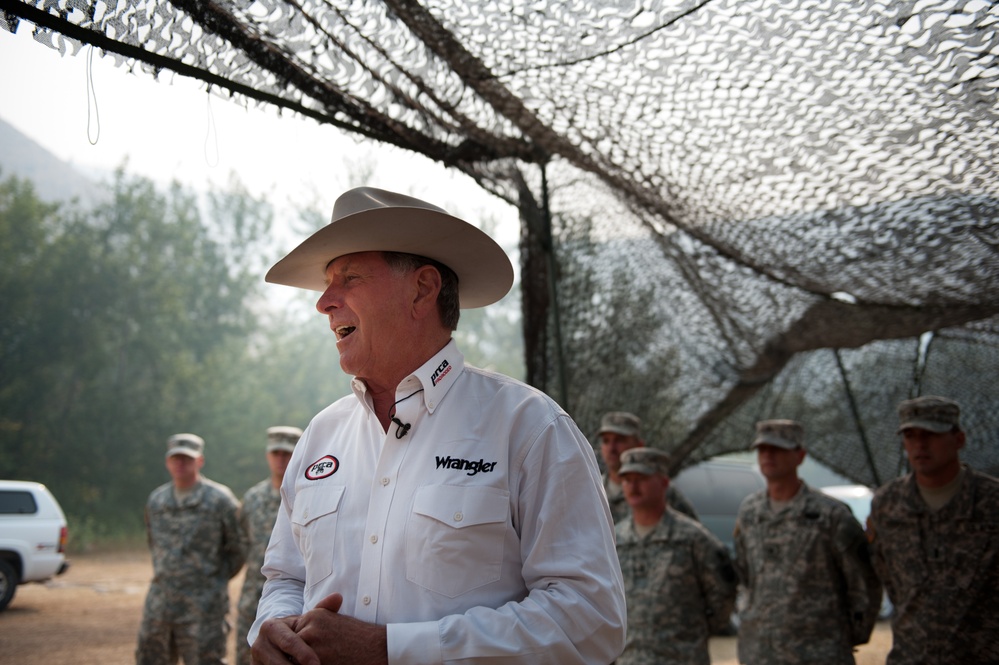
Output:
(343, 331)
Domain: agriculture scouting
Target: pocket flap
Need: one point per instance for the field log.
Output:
(459, 506)
(313, 502)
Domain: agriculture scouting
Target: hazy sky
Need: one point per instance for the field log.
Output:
(171, 128)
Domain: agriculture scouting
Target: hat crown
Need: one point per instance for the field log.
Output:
(363, 199)
(648, 461)
(185, 443)
(282, 437)
(929, 412)
(284, 433)
(620, 422)
(780, 432)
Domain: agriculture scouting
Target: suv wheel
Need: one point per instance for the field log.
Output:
(8, 583)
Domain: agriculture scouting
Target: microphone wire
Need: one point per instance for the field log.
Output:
(401, 428)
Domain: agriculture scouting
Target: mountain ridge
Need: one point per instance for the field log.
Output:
(54, 180)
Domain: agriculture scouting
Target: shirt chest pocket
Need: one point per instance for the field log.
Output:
(313, 523)
(455, 537)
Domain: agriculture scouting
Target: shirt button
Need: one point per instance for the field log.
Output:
(366, 600)
(385, 482)
(458, 516)
(374, 539)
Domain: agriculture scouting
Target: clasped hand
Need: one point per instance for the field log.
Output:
(321, 636)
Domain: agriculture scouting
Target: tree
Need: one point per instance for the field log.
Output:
(115, 319)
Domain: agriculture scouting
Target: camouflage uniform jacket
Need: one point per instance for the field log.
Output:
(256, 518)
(680, 588)
(941, 571)
(196, 547)
(811, 591)
(619, 506)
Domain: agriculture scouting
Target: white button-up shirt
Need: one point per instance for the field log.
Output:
(483, 532)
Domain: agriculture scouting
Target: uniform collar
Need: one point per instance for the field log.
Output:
(961, 504)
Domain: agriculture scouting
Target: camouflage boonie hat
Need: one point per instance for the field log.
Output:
(282, 437)
(191, 445)
(647, 461)
(620, 422)
(786, 434)
(936, 414)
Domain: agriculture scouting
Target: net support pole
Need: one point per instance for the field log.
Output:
(856, 418)
(548, 244)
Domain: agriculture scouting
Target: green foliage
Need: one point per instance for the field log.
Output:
(112, 319)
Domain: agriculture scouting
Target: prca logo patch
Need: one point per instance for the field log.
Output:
(441, 371)
(324, 467)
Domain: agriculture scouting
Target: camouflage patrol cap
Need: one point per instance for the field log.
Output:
(646, 461)
(282, 437)
(932, 413)
(786, 434)
(620, 422)
(191, 445)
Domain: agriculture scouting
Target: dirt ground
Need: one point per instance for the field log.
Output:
(90, 616)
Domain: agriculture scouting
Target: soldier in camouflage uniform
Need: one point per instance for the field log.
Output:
(256, 517)
(678, 578)
(196, 546)
(935, 536)
(811, 593)
(620, 431)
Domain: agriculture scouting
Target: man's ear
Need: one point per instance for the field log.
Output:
(428, 285)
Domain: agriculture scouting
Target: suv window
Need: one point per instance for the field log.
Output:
(14, 502)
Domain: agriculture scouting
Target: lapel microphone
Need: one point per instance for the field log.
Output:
(401, 428)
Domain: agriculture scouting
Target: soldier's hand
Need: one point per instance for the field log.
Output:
(279, 644)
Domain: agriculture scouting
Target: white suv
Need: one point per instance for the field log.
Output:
(33, 536)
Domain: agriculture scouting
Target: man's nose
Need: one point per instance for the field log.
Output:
(326, 301)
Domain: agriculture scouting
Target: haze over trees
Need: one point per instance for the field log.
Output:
(146, 315)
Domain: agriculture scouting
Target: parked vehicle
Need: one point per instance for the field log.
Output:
(716, 488)
(33, 535)
(857, 497)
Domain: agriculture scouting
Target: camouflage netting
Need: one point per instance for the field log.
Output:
(731, 210)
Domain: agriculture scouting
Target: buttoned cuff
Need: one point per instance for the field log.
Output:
(414, 643)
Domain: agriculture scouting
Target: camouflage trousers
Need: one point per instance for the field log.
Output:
(195, 642)
(244, 619)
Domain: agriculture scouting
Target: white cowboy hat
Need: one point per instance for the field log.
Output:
(366, 219)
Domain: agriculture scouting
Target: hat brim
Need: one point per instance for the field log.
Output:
(484, 271)
(928, 425)
(773, 441)
(183, 451)
(643, 469)
(624, 431)
(284, 447)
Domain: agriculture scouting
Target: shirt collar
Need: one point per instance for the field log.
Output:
(434, 377)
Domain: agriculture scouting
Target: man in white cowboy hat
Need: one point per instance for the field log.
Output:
(803, 559)
(935, 535)
(440, 512)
